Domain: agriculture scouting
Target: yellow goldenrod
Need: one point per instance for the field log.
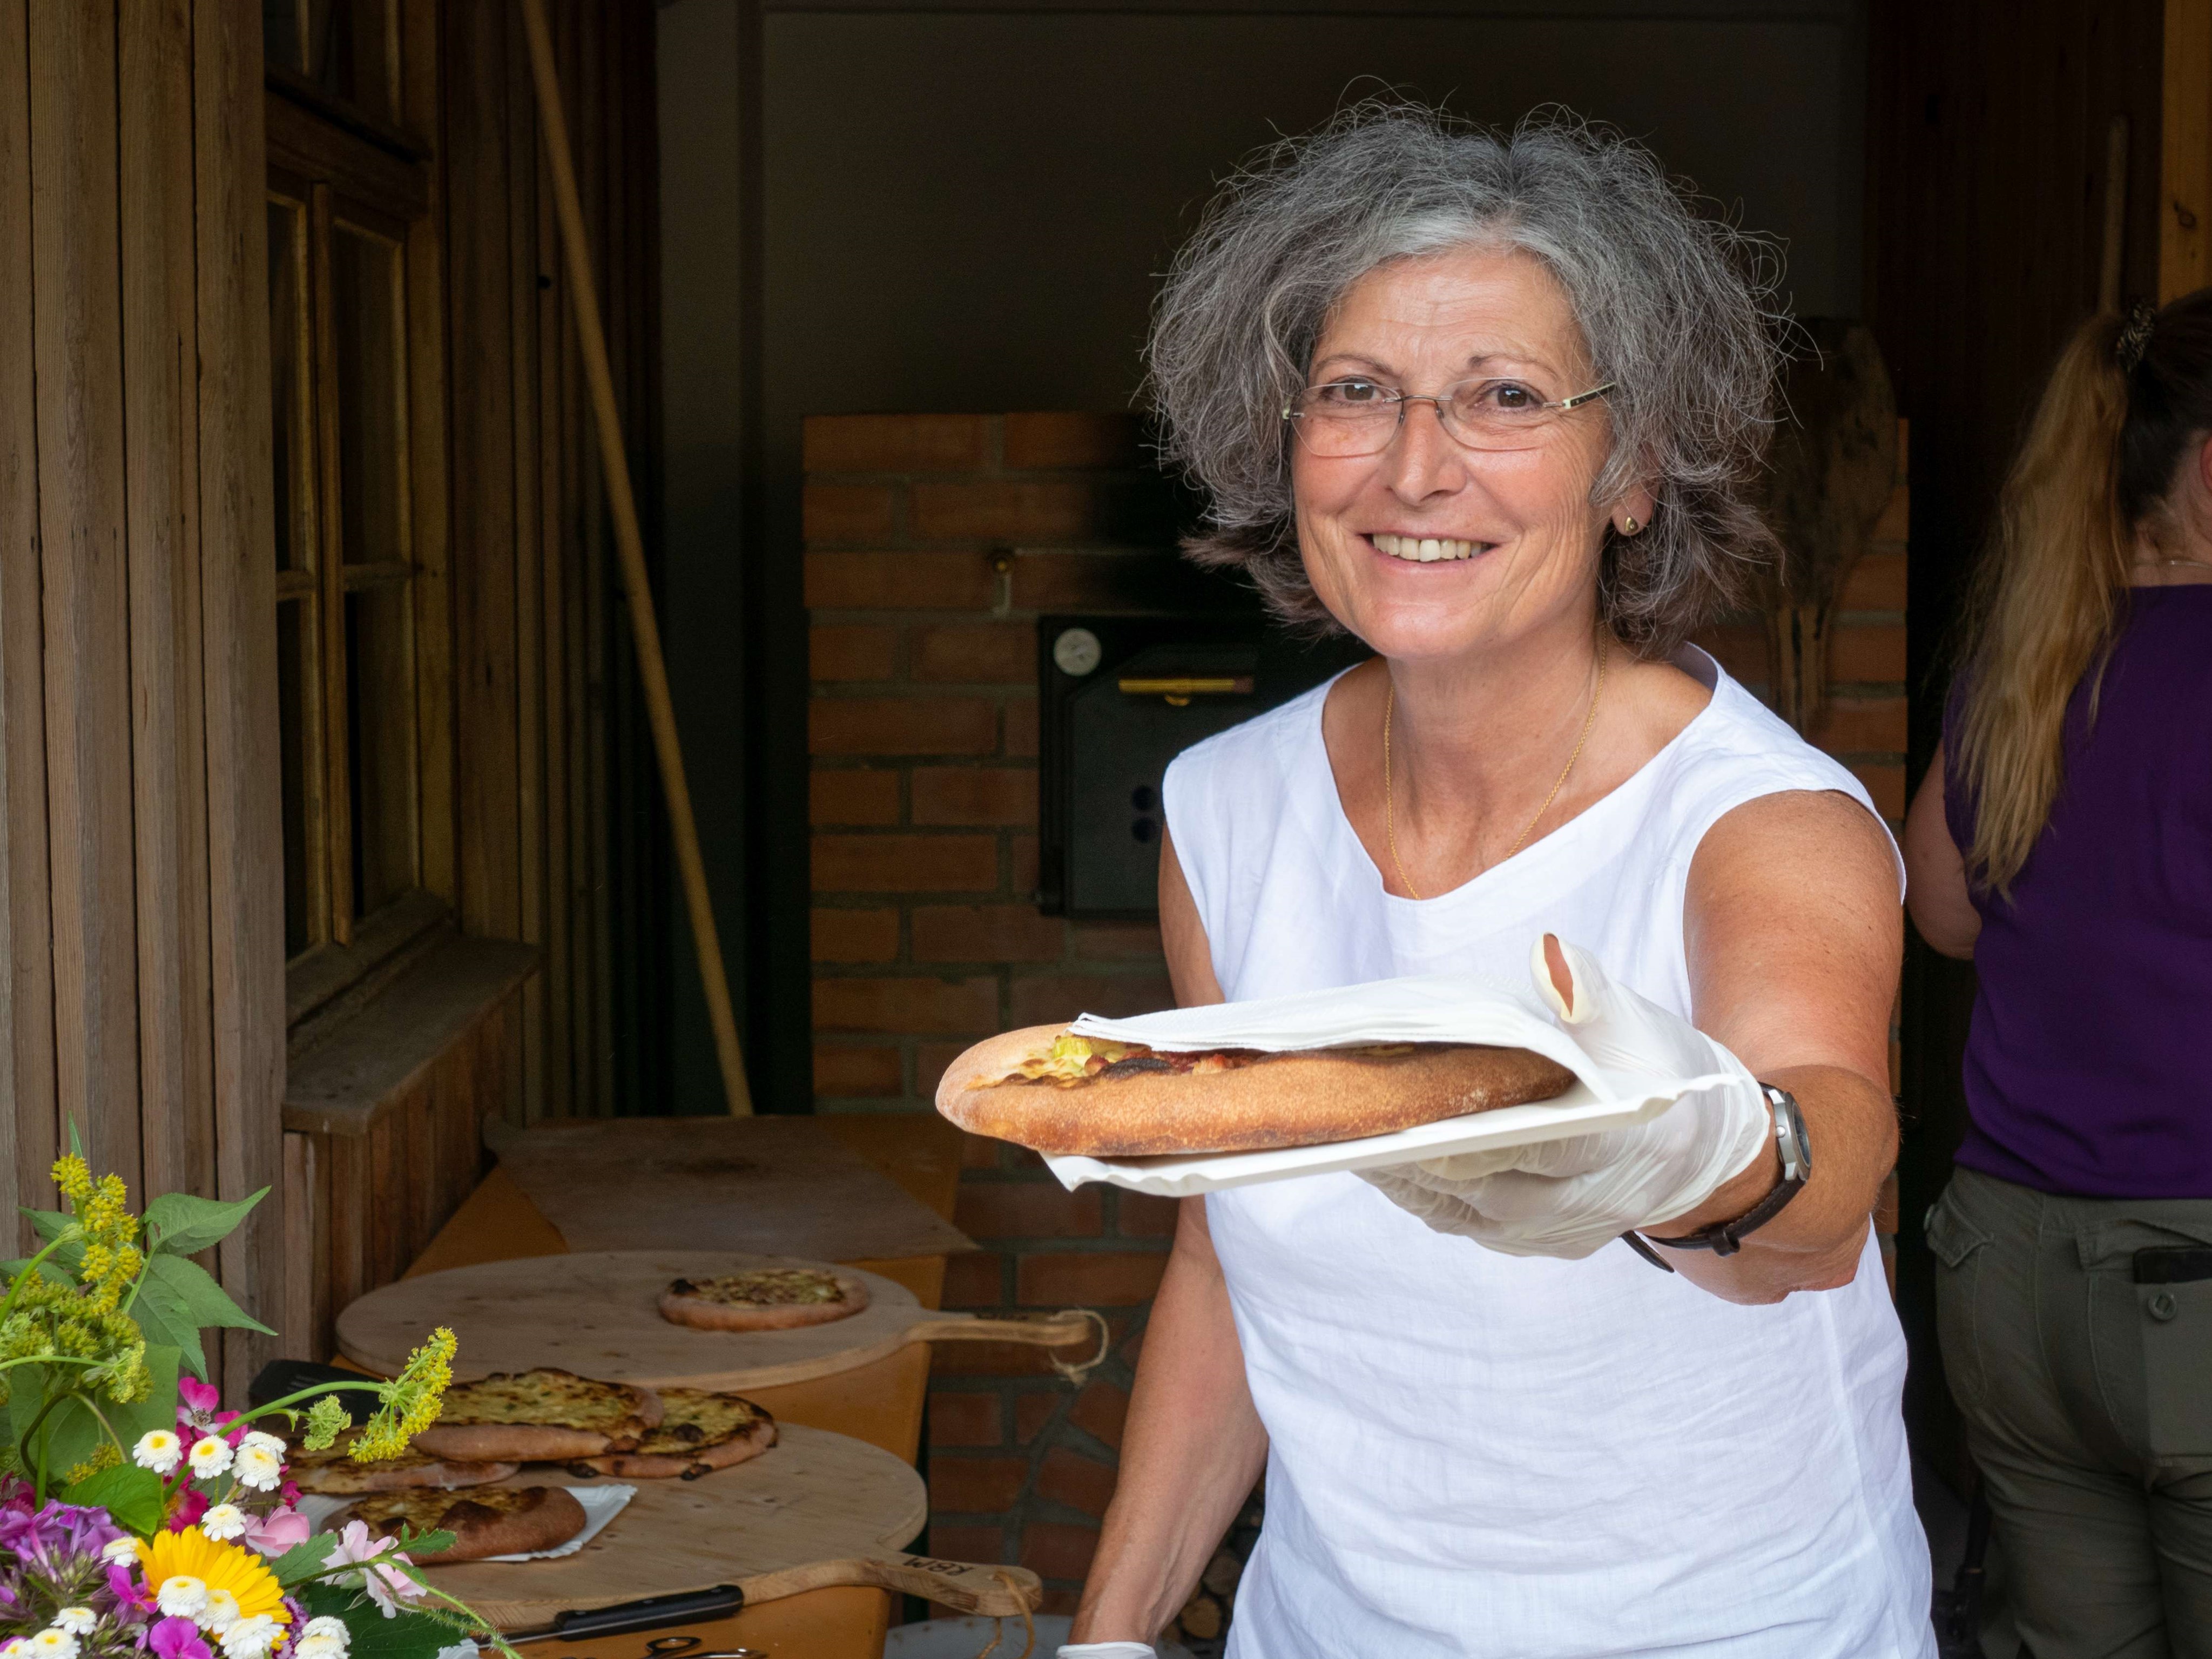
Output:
(409, 1403)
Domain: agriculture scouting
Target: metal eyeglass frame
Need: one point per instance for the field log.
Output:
(1291, 411)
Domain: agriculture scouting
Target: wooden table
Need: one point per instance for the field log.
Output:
(880, 1403)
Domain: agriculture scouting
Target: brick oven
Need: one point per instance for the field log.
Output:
(933, 543)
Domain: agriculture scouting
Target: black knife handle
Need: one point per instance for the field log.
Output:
(692, 1607)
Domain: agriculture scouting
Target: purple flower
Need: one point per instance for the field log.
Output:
(59, 1530)
(178, 1638)
(129, 1596)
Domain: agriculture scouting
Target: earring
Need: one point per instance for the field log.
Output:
(1629, 526)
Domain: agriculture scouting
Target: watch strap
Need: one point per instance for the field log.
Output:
(1726, 1237)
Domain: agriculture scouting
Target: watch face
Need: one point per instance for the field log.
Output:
(1790, 1135)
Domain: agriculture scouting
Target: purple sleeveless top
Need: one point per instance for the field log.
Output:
(2088, 1072)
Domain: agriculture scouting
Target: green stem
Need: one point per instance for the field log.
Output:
(104, 1425)
(48, 1359)
(370, 1385)
(38, 1487)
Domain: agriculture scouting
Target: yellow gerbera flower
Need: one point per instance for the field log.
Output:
(193, 1554)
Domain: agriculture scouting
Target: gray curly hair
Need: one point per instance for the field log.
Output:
(1676, 309)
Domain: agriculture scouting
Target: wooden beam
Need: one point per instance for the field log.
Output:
(630, 546)
(2184, 223)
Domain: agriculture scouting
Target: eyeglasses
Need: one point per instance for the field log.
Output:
(1345, 418)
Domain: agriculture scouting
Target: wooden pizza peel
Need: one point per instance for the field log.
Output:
(596, 1314)
(815, 1510)
(776, 1184)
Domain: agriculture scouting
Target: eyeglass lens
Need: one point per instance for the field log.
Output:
(1347, 419)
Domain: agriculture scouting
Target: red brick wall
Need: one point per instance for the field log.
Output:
(933, 543)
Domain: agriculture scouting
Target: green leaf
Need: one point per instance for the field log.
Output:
(50, 1224)
(76, 1142)
(207, 1302)
(178, 1223)
(132, 1497)
(403, 1636)
(48, 1269)
(303, 1560)
(165, 1318)
(69, 1436)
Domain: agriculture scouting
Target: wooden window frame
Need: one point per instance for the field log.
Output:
(349, 174)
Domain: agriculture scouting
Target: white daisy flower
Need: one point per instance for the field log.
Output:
(221, 1612)
(250, 1638)
(209, 1456)
(258, 1467)
(182, 1596)
(267, 1442)
(125, 1548)
(159, 1450)
(223, 1522)
(316, 1647)
(333, 1628)
(14, 1645)
(77, 1621)
(52, 1642)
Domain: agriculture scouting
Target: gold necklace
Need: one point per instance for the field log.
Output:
(1389, 805)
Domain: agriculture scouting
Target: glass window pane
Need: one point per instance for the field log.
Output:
(288, 395)
(345, 47)
(365, 275)
(296, 702)
(381, 743)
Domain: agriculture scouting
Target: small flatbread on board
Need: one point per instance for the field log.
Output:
(545, 1414)
(333, 1471)
(764, 1299)
(701, 1432)
(489, 1521)
(1047, 1089)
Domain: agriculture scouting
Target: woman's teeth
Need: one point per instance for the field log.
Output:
(1425, 549)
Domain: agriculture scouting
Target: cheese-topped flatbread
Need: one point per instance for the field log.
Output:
(1049, 1089)
(487, 1521)
(332, 1470)
(548, 1413)
(764, 1299)
(701, 1432)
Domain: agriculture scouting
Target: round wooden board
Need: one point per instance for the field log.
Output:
(598, 1315)
(814, 1496)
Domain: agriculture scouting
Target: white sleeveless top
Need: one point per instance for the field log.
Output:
(1478, 1453)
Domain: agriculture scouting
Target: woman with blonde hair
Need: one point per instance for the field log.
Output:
(2062, 839)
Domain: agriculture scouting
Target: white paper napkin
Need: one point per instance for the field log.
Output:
(1425, 1008)
(601, 1505)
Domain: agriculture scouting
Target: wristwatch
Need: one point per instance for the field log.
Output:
(1726, 1237)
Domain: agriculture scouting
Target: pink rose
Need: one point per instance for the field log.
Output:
(279, 1530)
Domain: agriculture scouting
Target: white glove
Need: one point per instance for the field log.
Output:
(1569, 1198)
(1107, 1650)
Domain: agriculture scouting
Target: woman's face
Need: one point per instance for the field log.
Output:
(1520, 521)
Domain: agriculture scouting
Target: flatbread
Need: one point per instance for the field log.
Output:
(491, 1520)
(544, 1414)
(333, 1471)
(701, 1432)
(1047, 1089)
(764, 1299)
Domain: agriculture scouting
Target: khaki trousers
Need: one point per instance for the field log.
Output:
(2087, 1399)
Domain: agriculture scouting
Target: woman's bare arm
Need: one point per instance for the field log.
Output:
(1936, 872)
(1793, 936)
(1193, 1445)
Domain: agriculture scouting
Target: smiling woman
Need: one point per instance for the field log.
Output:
(1493, 403)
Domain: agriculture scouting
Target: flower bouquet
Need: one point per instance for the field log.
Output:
(138, 1517)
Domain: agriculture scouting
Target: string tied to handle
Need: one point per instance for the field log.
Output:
(1077, 1371)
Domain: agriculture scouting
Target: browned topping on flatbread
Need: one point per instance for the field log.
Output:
(486, 1521)
(543, 1398)
(763, 1287)
(697, 1420)
(1072, 1059)
(333, 1470)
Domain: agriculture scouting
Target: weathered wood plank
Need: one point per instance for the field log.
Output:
(304, 1217)
(238, 597)
(74, 256)
(27, 1110)
(356, 1075)
(588, 105)
(481, 296)
(160, 420)
(552, 990)
(529, 512)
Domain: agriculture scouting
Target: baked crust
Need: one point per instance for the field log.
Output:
(333, 1472)
(766, 1300)
(491, 1520)
(1016, 1087)
(702, 1432)
(547, 1414)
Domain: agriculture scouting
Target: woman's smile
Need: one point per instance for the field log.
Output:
(1424, 549)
